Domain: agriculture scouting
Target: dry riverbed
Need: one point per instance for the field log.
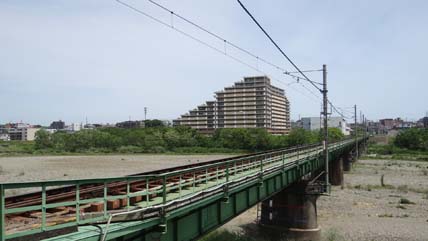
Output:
(364, 210)
(367, 210)
(42, 168)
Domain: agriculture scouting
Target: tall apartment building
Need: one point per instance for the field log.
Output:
(251, 103)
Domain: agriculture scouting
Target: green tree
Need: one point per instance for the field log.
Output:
(43, 139)
(300, 136)
(154, 123)
(236, 138)
(412, 139)
(334, 134)
(259, 140)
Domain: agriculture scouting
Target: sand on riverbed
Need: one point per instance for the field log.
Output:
(365, 210)
(42, 168)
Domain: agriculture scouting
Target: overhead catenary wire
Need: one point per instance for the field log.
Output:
(299, 77)
(305, 71)
(335, 109)
(277, 46)
(200, 27)
(313, 83)
(175, 28)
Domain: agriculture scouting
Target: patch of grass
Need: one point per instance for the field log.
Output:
(396, 154)
(333, 235)
(405, 201)
(12, 148)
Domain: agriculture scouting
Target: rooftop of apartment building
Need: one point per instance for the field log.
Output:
(251, 82)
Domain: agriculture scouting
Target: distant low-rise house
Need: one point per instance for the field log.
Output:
(376, 128)
(130, 124)
(23, 134)
(18, 132)
(296, 124)
(73, 127)
(424, 121)
(387, 123)
(51, 131)
(4, 137)
(57, 125)
(315, 123)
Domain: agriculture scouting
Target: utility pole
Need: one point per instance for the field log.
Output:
(325, 114)
(364, 133)
(145, 113)
(356, 131)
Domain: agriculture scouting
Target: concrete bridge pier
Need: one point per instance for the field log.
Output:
(336, 172)
(347, 162)
(291, 214)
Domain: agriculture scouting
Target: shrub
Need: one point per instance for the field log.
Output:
(130, 149)
(405, 201)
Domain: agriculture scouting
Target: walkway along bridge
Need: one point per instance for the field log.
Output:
(181, 203)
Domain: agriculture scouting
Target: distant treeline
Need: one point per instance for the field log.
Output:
(415, 139)
(180, 139)
(408, 144)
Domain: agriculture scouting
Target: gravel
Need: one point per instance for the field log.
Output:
(365, 210)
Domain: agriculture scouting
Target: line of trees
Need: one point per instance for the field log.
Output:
(415, 139)
(162, 139)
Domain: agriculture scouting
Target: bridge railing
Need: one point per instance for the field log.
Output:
(67, 203)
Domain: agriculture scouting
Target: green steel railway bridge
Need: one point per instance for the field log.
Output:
(180, 203)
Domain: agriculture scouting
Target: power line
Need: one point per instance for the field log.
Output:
(337, 111)
(313, 83)
(171, 26)
(298, 77)
(236, 47)
(276, 45)
(305, 71)
(217, 36)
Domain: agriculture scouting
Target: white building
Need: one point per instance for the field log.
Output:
(23, 133)
(73, 127)
(4, 137)
(315, 123)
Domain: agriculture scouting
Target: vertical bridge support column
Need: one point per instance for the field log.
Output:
(347, 162)
(336, 172)
(292, 213)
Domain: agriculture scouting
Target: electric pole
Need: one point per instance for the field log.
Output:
(325, 114)
(145, 113)
(356, 131)
(364, 133)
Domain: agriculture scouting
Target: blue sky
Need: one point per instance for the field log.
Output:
(97, 59)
